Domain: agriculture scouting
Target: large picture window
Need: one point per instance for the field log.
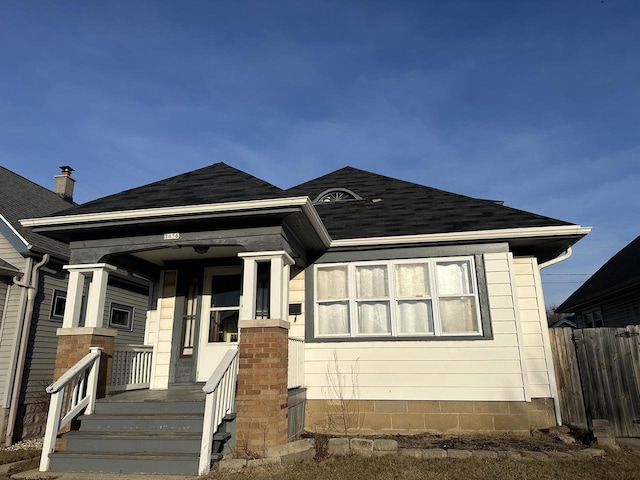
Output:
(398, 298)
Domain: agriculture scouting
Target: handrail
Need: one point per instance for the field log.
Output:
(70, 374)
(72, 393)
(220, 391)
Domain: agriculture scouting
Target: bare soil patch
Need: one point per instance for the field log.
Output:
(537, 441)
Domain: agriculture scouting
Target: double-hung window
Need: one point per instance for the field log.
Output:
(398, 298)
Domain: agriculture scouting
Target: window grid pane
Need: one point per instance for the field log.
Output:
(374, 318)
(414, 317)
(333, 318)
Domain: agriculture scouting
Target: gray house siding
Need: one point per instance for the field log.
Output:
(130, 296)
(625, 310)
(40, 358)
(8, 327)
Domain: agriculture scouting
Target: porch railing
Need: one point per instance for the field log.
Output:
(74, 391)
(220, 393)
(296, 362)
(131, 367)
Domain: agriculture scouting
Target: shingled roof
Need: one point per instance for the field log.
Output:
(216, 183)
(22, 198)
(621, 271)
(392, 207)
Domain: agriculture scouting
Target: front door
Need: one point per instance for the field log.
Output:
(219, 319)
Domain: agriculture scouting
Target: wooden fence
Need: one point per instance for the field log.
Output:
(598, 375)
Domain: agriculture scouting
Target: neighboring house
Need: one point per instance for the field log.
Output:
(566, 322)
(33, 286)
(424, 308)
(611, 296)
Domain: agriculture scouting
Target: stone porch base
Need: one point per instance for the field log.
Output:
(370, 417)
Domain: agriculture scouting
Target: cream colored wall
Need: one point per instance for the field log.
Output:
(534, 325)
(162, 345)
(296, 295)
(440, 370)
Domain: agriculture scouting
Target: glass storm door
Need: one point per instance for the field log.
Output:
(219, 320)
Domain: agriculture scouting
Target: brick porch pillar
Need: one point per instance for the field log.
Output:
(74, 343)
(262, 419)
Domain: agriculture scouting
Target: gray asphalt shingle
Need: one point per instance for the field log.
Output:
(21, 198)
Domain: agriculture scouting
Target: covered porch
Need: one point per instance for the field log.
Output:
(217, 326)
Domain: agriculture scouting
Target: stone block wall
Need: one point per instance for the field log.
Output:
(370, 417)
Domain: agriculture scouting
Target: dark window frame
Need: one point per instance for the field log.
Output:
(121, 308)
(56, 297)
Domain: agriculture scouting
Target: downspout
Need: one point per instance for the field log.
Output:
(558, 259)
(31, 287)
(553, 385)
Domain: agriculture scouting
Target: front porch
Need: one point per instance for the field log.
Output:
(180, 429)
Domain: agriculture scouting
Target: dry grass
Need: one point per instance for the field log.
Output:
(619, 466)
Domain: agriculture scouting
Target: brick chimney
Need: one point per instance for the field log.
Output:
(64, 183)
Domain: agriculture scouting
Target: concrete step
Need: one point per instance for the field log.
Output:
(167, 463)
(154, 423)
(157, 443)
(115, 442)
(148, 407)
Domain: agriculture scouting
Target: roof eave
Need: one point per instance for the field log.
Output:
(103, 218)
(575, 231)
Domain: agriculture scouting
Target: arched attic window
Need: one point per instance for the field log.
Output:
(333, 195)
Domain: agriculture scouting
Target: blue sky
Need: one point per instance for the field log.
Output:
(536, 103)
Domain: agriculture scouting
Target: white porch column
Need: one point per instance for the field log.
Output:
(73, 303)
(99, 274)
(280, 262)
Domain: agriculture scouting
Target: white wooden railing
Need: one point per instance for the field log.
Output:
(220, 395)
(131, 367)
(73, 392)
(296, 362)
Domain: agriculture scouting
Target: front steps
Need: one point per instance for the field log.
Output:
(138, 437)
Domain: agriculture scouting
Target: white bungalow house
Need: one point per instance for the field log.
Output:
(412, 309)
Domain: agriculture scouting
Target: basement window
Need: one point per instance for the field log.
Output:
(58, 302)
(121, 316)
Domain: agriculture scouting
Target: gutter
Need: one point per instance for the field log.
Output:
(499, 234)
(30, 284)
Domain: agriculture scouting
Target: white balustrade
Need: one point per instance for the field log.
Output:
(131, 367)
(220, 395)
(296, 362)
(73, 392)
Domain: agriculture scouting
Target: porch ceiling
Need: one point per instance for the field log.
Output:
(162, 255)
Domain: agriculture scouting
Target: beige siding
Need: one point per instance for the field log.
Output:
(529, 292)
(432, 370)
(8, 326)
(162, 347)
(296, 295)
